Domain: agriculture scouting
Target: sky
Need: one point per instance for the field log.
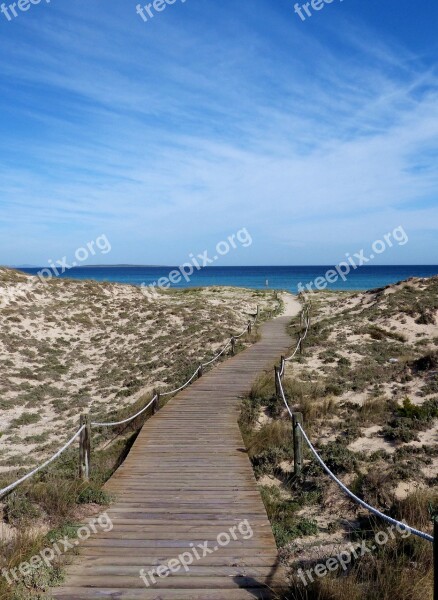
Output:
(318, 135)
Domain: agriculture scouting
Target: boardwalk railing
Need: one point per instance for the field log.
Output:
(300, 435)
(84, 431)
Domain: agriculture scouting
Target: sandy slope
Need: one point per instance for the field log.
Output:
(69, 347)
(367, 354)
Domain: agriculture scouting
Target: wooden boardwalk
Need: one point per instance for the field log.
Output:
(187, 480)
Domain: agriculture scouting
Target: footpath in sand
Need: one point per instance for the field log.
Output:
(292, 306)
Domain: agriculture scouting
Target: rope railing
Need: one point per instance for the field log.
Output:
(241, 334)
(371, 509)
(215, 358)
(305, 322)
(12, 486)
(305, 315)
(129, 419)
(184, 384)
(300, 434)
(247, 329)
(283, 395)
(84, 431)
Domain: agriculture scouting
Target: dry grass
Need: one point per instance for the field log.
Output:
(374, 410)
(263, 388)
(402, 569)
(77, 346)
(367, 387)
(277, 434)
(315, 409)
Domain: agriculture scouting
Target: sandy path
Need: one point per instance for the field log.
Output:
(292, 306)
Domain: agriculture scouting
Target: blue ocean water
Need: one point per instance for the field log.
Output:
(285, 278)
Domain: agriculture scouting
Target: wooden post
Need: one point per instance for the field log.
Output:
(298, 443)
(301, 345)
(435, 557)
(200, 371)
(277, 387)
(258, 311)
(156, 403)
(233, 346)
(85, 448)
(249, 327)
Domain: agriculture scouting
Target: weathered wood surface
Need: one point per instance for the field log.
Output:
(186, 480)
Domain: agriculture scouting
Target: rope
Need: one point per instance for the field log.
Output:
(302, 337)
(184, 385)
(307, 324)
(282, 369)
(362, 503)
(373, 510)
(283, 395)
(125, 420)
(217, 356)
(11, 487)
(206, 364)
(295, 351)
(236, 337)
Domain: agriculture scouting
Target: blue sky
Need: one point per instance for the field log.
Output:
(318, 136)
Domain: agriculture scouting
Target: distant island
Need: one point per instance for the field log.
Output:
(95, 266)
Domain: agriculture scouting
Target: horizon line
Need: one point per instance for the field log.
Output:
(176, 266)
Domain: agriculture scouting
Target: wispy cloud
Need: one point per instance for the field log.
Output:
(167, 134)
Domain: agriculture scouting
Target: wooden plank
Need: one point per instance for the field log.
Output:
(178, 582)
(82, 593)
(195, 571)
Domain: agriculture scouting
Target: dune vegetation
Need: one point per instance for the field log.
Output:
(367, 386)
(72, 347)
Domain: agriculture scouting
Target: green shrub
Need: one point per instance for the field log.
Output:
(290, 529)
(25, 419)
(344, 362)
(338, 457)
(267, 461)
(93, 495)
(268, 446)
(248, 413)
(400, 430)
(263, 388)
(424, 412)
(409, 419)
(286, 524)
(18, 508)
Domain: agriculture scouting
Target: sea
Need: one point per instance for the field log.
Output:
(274, 277)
